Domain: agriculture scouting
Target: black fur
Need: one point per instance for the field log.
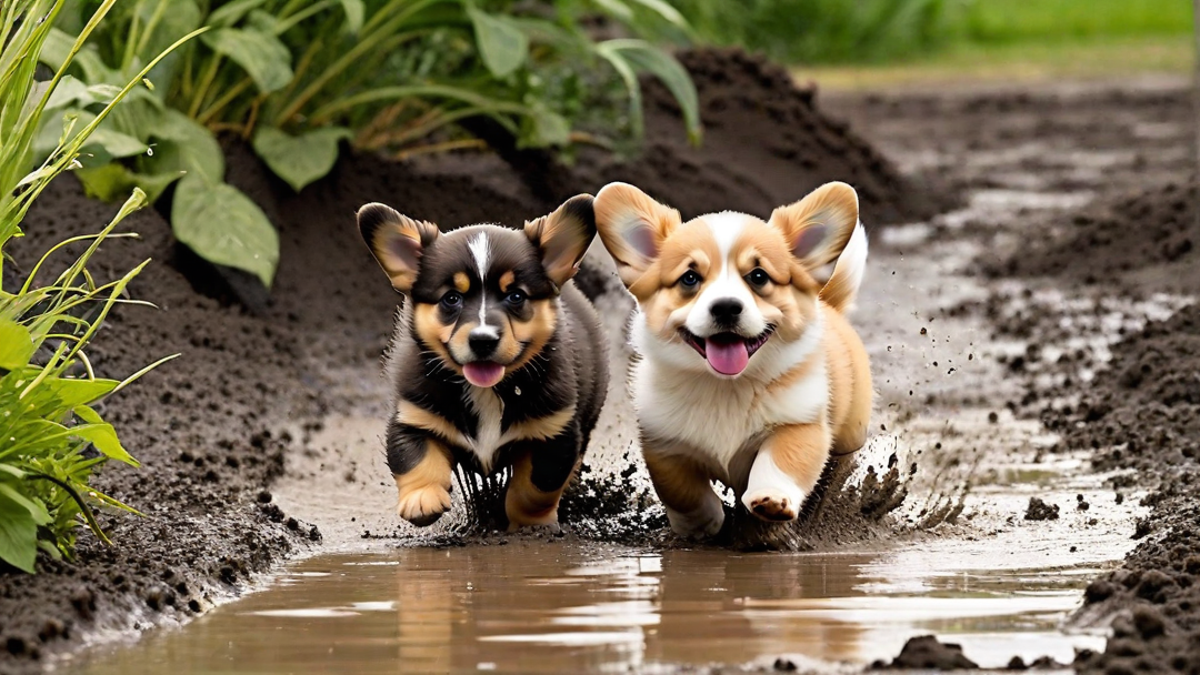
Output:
(571, 369)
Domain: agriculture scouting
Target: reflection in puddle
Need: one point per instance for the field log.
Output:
(532, 606)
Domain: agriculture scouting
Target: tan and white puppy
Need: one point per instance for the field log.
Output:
(749, 372)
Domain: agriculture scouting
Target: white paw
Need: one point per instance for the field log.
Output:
(773, 504)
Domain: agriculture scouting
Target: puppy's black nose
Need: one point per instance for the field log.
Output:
(483, 341)
(726, 311)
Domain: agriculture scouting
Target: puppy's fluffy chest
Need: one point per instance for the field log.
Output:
(719, 417)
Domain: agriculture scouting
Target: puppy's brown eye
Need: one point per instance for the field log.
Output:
(689, 279)
(758, 277)
(452, 300)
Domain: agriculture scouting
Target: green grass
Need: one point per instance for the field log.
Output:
(1061, 21)
(826, 32)
(968, 64)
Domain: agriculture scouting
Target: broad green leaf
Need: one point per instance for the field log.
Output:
(299, 160)
(58, 46)
(115, 181)
(666, 11)
(616, 8)
(116, 143)
(502, 43)
(355, 12)
(224, 226)
(69, 91)
(546, 128)
(227, 15)
(16, 345)
(18, 536)
(101, 434)
(188, 147)
(645, 57)
(267, 60)
(72, 393)
(169, 20)
(32, 505)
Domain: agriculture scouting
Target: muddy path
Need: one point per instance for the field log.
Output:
(264, 444)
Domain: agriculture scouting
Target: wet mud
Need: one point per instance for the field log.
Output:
(1095, 294)
(264, 438)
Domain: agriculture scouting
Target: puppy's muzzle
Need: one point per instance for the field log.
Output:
(726, 312)
(483, 342)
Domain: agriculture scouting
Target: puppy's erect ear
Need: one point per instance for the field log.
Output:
(819, 226)
(563, 237)
(632, 227)
(396, 241)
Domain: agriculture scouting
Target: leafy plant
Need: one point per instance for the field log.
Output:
(298, 78)
(53, 437)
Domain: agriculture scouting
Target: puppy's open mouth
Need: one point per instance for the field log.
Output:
(727, 353)
(483, 373)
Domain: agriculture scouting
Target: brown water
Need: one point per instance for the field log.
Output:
(538, 606)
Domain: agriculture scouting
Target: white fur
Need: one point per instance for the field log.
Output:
(852, 263)
(481, 251)
(727, 228)
(769, 481)
(719, 415)
(489, 408)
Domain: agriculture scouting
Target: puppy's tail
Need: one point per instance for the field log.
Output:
(842, 288)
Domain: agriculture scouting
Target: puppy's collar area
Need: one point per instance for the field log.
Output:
(727, 353)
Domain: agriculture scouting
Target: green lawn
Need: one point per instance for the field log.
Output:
(887, 32)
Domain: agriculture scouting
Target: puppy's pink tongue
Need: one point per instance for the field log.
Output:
(484, 373)
(727, 356)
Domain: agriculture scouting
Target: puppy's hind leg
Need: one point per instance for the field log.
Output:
(786, 470)
(685, 488)
(541, 471)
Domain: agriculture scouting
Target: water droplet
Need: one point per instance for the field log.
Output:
(517, 391)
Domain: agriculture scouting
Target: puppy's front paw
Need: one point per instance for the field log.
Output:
(773, 505)
(424, 506)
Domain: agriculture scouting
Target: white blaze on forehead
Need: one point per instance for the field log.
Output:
(727, 228)
(481, 251)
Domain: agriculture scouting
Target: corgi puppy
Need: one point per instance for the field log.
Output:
(749, 372)
(498, 361)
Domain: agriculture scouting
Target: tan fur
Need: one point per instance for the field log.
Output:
(652, 250)
(535, 333)
(433, 332)
(416, 416)
(542, 428)
(462, 282)
(506, 280)
(678, 479)
(524, 503)
(426, 489)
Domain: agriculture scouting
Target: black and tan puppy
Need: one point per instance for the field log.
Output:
(497, 359)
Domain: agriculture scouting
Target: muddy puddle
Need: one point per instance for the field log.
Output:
(534, 606)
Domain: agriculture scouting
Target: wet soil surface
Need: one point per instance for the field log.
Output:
(255, 427)
(1111, 355)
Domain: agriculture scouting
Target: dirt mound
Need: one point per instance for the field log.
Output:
(1143, 413)
(766, 144)
(201, 427)
(926, 653)
(1149, 228)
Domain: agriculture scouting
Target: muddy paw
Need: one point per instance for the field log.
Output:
(553, 529)
(423, 507)
(772, 506)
